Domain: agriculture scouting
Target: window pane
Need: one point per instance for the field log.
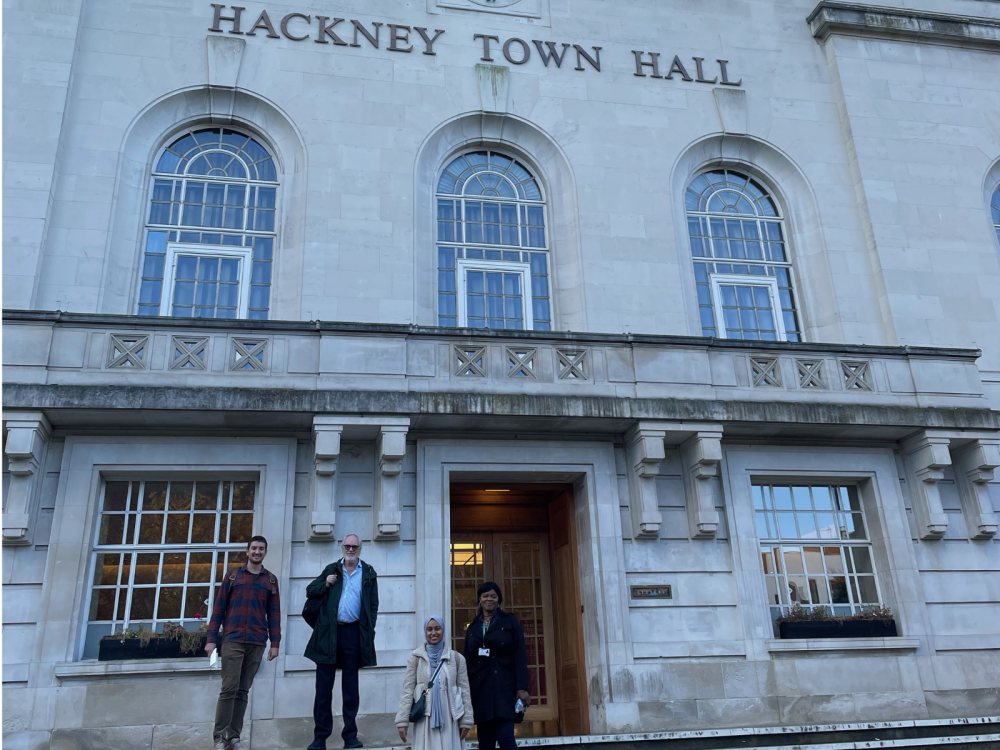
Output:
(782, 498)
(867, 590)
(143, 601)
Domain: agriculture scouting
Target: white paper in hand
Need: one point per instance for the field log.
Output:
(213, 660)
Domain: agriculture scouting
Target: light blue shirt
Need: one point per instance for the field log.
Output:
(350, 596)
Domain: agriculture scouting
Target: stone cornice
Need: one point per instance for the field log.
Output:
(276, 401)
(464, 334)
(858, 19)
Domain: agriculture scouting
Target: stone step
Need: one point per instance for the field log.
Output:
(976, 733)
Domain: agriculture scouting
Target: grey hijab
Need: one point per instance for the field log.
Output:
(434, 654)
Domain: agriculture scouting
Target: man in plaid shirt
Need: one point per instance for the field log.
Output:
(249, 611)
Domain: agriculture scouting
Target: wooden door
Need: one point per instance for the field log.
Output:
(574, 717)
(519, 564)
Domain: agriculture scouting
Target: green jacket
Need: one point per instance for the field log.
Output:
(322, 647)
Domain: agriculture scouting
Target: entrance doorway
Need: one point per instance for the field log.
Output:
(522, 536)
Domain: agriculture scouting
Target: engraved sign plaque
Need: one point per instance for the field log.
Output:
(663, 591)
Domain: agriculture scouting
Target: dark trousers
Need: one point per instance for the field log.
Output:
(349, 662)
(494, 732)
(239, 666)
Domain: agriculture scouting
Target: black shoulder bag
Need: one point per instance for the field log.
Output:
(313, 606)
(420, 704)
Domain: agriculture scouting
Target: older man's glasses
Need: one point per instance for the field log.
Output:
(351, 547)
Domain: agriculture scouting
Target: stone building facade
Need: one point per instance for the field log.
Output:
(667, 316)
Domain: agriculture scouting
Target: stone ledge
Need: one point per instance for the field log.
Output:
(769, 731)
(857, 19)
(808, 645)
(88, 670)
(587, 408)
(319, 327)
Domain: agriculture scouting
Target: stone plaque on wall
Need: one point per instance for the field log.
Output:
(663, 591)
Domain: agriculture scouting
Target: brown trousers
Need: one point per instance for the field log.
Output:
(239, 666)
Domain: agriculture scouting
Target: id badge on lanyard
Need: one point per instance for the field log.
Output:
(484, 651)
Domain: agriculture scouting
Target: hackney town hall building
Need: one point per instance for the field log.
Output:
(678, 320)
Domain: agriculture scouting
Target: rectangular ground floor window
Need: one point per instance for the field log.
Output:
(815, 550)
(162, 550)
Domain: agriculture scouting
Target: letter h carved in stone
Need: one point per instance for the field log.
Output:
(702, 457)
(322, 514)
(974, 466)
(927, 455)
(391, 450)
(27, 439)
(644, 450)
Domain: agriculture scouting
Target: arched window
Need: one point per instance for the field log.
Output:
(210, 232)
(493, 265)
(741, 262)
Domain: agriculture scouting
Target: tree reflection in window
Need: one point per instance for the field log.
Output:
(211, 186)
(735, 227)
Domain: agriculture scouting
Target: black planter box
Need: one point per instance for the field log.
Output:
(114, 649)
(838, 629)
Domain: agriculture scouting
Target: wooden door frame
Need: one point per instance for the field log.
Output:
(493, 571)
(579, 646)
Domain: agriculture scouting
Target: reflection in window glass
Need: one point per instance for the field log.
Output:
(162, 550)
(815, 548)
(489, 207)
(212, 186)
(734, 227)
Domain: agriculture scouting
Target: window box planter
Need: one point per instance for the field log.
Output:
(837, 629)
(115, 649)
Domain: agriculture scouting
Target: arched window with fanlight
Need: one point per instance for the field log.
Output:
(493, 264)
(210, 230)
(742, 268)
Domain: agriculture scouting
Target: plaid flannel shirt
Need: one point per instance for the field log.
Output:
(247, 608)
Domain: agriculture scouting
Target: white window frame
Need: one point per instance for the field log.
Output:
(133, 547)
(463, 265)
(739, 279)
(244, 254)
(799, 543)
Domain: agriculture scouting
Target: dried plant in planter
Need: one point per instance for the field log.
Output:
(142, 633)
(190, 639)
(799, 613)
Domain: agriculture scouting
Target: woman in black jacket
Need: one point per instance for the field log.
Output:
(498, 670)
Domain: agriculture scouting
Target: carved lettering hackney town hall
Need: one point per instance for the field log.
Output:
(342, 32)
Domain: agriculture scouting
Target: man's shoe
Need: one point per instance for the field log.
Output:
(352, 744)
(220, 745)
(235, 744)
(314, 746)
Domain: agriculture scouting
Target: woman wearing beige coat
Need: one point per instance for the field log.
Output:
(448, 716)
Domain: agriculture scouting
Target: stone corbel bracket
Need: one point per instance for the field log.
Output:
(974, 457)
(28, 435)
(645, 453)
(389, 434)
(974, 466)
(391, 450)
(323, 513)
(701, 454)
(927, 456)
